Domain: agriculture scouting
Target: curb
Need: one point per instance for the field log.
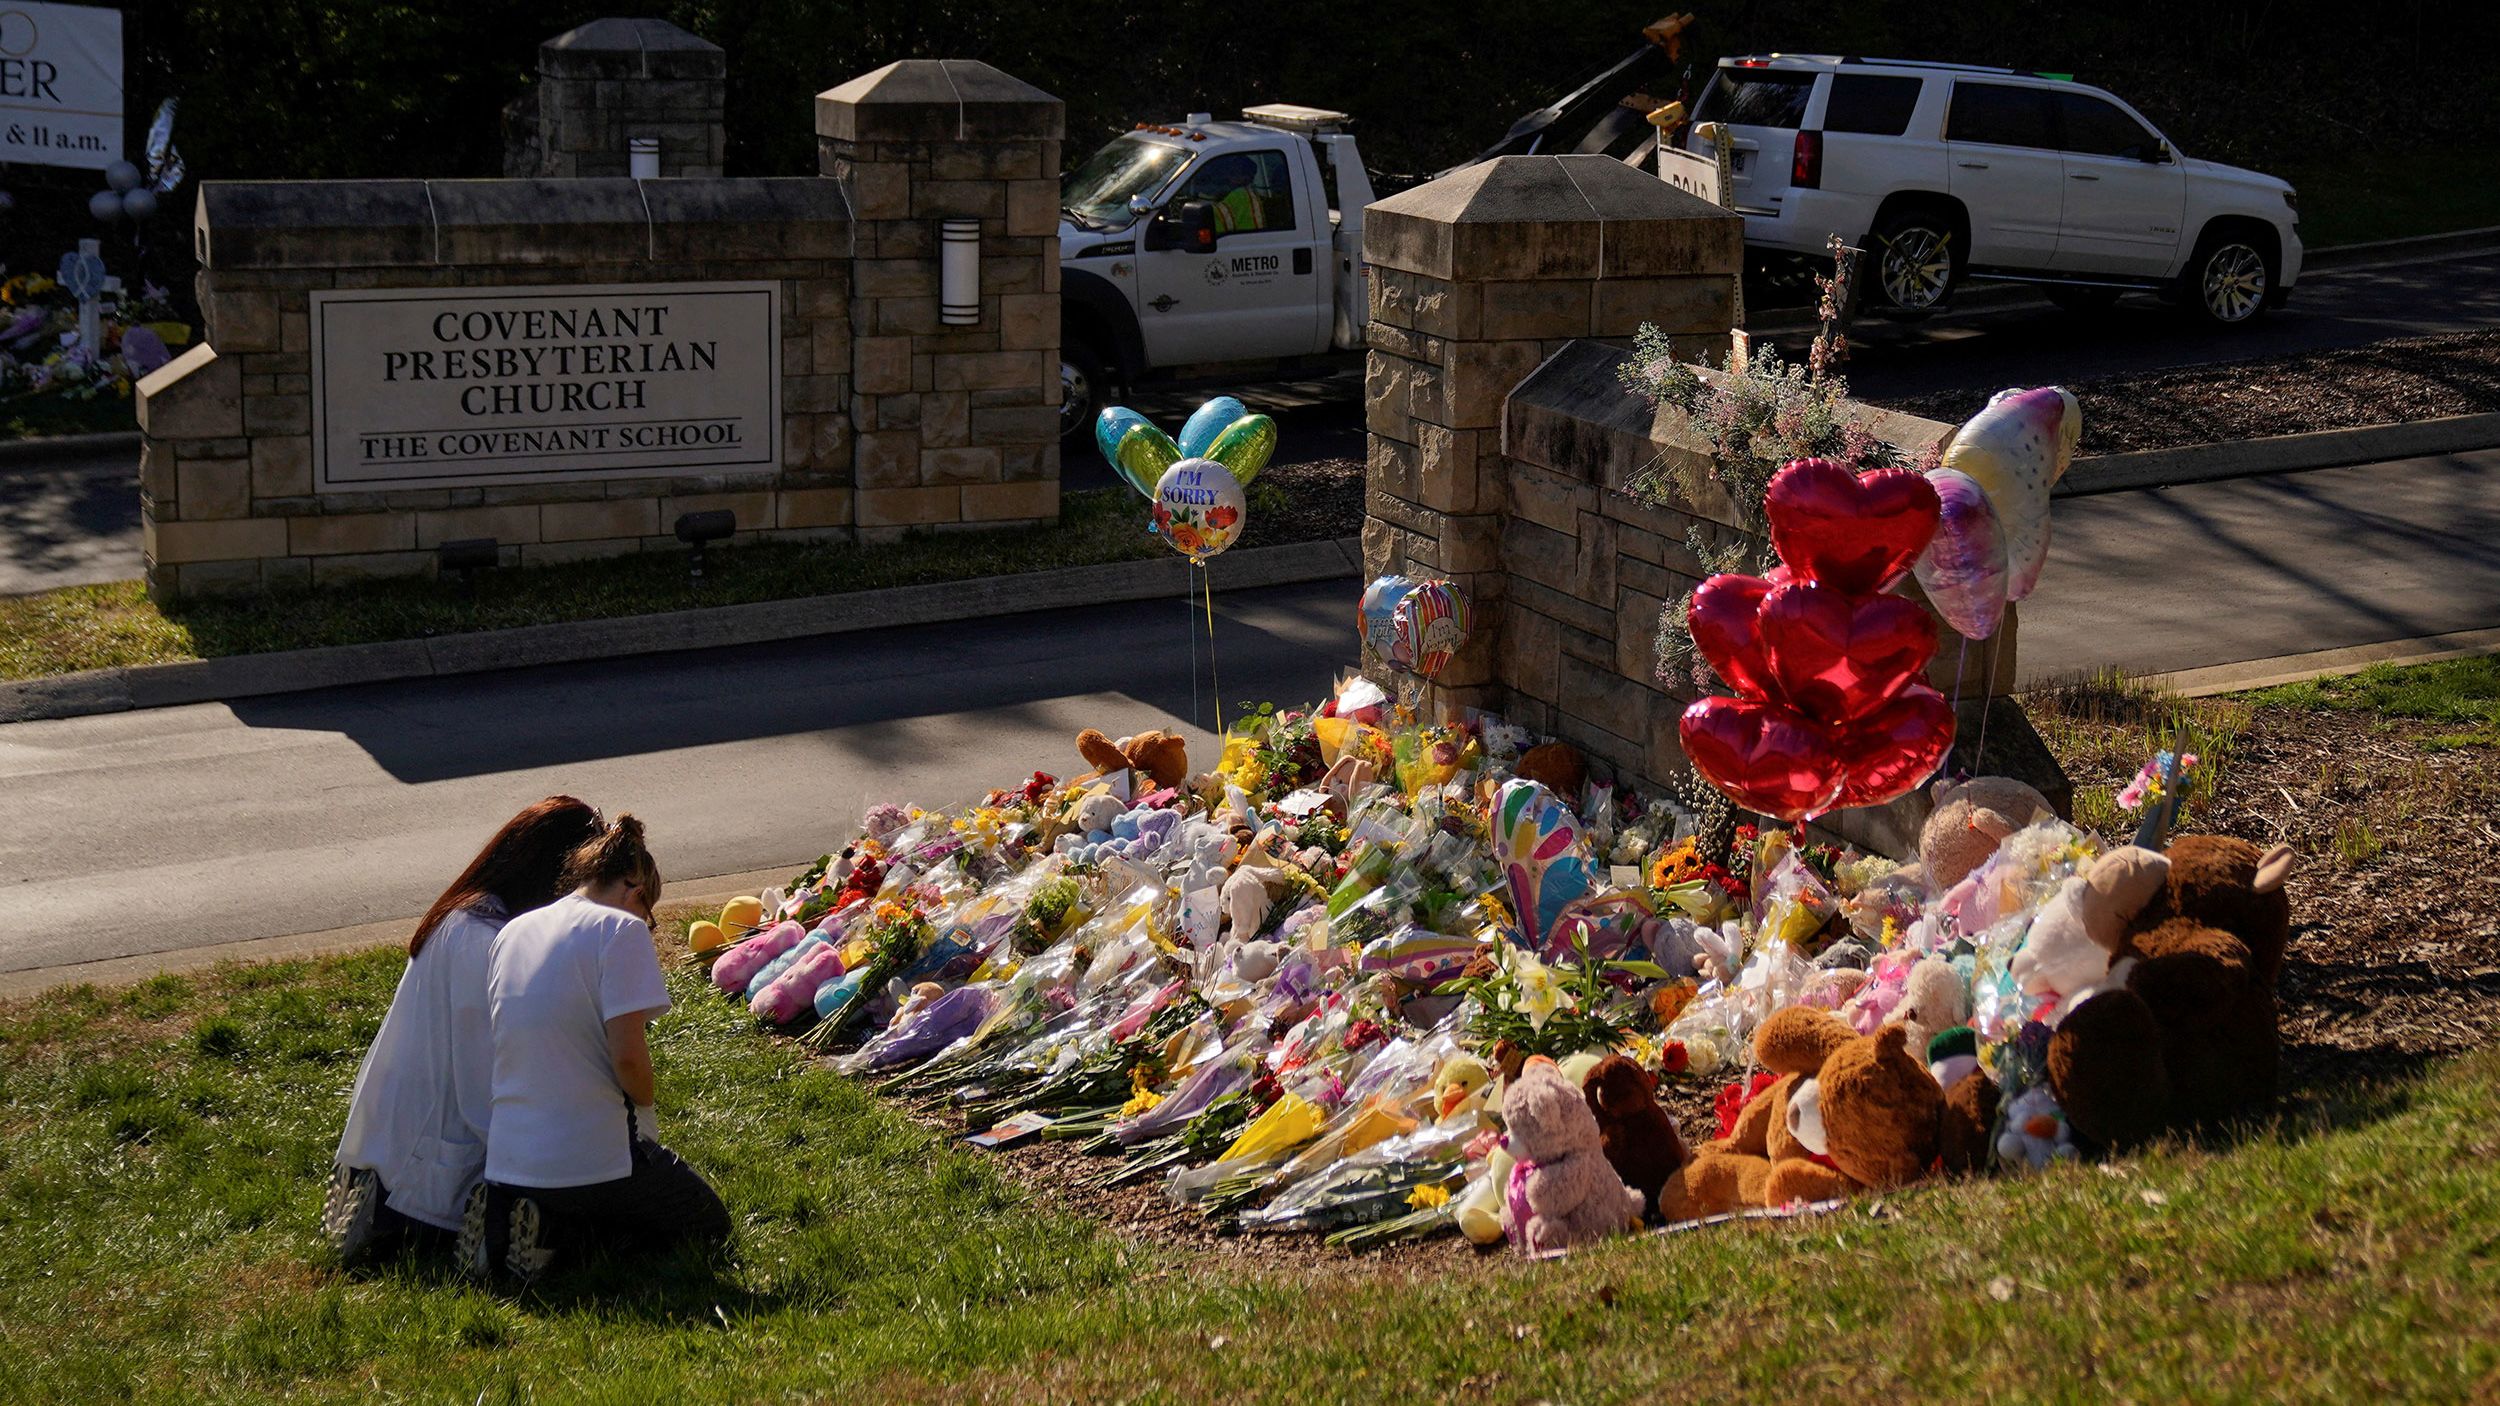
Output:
(2276, 454)
(760, 622)
(68, 446)
(708, 892)
(2251, 674)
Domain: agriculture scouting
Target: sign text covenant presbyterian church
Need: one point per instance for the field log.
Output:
(448, 388)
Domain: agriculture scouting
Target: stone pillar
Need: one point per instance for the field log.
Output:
(955, 424)
(612, 80)
(1477, 279)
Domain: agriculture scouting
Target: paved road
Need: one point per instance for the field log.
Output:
(68, 522)
(2256, 568)
(186, 827)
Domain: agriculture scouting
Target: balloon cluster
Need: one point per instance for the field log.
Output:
(1993, 535)
(1194, 482)
(1416, 627)
(131, 193)
(1831, 709)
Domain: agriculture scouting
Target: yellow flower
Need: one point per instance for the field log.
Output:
(1424, 1198)
(1141, 1099)
(1892, 931)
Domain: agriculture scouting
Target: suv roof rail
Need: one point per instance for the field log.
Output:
(1766, 60)
(1935, 64)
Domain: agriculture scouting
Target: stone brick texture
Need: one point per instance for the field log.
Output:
(891, 420)
(1505, 455)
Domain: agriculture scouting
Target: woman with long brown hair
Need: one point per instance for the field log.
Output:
(575, 1145)
(416, 1126)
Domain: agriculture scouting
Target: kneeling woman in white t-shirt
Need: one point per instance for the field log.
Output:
(572, 1144)
(416, 1126)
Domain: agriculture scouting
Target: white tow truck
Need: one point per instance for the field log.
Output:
(1206, 244)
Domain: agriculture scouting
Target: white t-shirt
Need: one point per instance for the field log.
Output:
(418, 1116)
(558, 975)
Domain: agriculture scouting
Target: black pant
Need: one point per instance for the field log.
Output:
(662, 1201)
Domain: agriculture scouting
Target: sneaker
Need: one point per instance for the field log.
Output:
(349, 1212)
(528, 1250)
(472, 1252)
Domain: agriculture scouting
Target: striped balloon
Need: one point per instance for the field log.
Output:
(1430, 627)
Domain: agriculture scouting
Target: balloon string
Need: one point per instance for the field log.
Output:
(1189, 627)
(1961, 668)
(1215, 675)
(1987, 702)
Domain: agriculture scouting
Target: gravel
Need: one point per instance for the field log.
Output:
(2413, 378)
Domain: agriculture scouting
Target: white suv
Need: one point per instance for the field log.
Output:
(1943, 172)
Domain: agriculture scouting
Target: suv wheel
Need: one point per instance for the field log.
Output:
(2228, 280)
(1916, 262)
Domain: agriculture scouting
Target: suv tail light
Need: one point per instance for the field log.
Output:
(1805, 170)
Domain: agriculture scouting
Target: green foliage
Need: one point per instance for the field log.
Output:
(2461, 692)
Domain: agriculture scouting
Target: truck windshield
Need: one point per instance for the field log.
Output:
(1098, 192)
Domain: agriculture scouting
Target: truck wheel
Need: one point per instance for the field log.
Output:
(1083, 386)
(2228, 281)
(1917, 261)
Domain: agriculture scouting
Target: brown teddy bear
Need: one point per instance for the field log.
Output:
(1163, 756)
(1558, 767)
(1639, 1138)
(1734, 1172)
(1563, 1192)
(1969, 820)
(2185, 1028)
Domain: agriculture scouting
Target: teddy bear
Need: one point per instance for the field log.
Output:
(2066, 953)
(2183, 1027)
(1970, 818)
(1937, 1000)
(1562, 1192)
(1734, 1172)
(1160, 755)
(1638, 1137)
(1557, 766)
(1871, 1118)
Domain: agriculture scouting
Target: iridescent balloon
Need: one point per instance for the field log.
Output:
(1208, 421)
(1110, 427)
(1144, 453)
(1245, 446)
(1963, 571)
(1379, 613)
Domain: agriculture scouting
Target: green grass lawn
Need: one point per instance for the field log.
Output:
(2375, 193)
(2460, 692)
(115, 624)
(163, 1150)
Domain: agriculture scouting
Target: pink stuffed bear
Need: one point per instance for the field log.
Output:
(1562, 1191)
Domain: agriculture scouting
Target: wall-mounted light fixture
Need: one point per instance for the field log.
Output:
(642, 155)
(959, 272)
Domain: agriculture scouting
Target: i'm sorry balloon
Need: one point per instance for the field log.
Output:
(2015, 450)
(1198, 508)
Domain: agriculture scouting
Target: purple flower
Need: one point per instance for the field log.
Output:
(144, 350)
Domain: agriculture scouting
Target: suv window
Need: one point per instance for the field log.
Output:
(1875, 106)
(2001, 115)
(2096, 128)
(1756, 97)
(1250, 190)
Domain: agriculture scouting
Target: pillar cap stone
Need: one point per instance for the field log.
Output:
(1551, 217)
(939, 100)
(630, 48)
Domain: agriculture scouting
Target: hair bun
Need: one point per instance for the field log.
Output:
(627, 827)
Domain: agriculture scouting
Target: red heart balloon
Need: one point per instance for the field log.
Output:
(1721, 616)
(1894, 749)
(1837, 657)
(1764, 756)
(1860, 532)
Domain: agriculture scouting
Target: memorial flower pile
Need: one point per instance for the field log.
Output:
(41, 352)
(1364, 980)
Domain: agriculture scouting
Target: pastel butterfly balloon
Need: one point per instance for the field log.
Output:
(2015, 450)
(1539, 845)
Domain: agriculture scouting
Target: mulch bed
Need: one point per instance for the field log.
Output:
(1320, 500)
(2413, 378)
(2395, 955)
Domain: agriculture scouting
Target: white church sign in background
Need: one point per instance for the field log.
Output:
(60, 84)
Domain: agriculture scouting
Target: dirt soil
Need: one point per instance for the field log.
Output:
(1308, 502)
(2413, 378)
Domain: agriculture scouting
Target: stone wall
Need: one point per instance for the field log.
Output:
(1505, 454)
(612, 80)
(889, 420)
(951, 420)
